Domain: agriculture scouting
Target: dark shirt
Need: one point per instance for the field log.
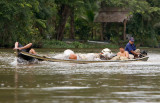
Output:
(24, 56)
(25, 50)
(130, 47)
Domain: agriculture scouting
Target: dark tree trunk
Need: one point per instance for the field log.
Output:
(124, 31)
(72, 33)
(102, 32)
(63, 14)
(92, 34)
(95, 34)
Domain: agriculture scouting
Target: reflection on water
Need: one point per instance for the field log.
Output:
(48, 82)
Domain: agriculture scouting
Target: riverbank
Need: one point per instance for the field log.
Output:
(53, 44)
(76, 44)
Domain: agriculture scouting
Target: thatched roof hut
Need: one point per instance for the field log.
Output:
(112, 14)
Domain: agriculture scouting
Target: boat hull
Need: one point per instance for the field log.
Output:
(42, 58)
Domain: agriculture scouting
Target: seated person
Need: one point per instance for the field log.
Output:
(121, 55)
(131, 48)
(26, 48)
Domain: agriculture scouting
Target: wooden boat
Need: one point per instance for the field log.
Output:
(43, 58)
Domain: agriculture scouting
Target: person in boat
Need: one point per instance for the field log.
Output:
(121, 55)
(27, 48)
(131, 48)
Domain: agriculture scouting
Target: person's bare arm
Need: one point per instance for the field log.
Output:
(118, 54)
(134, 53)
(127, 54)
(25, 47)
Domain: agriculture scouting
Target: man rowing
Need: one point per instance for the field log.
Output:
(131, 48)
(27, 48)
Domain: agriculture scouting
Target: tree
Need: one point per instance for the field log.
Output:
(16, 18)
(65, 9)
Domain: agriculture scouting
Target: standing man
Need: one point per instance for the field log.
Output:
(131, 48)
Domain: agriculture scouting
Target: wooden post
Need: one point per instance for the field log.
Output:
(102, 32)
(124, 32)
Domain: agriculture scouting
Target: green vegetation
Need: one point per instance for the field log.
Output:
(46, 23)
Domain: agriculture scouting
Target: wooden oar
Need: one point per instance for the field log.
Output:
(16, 52)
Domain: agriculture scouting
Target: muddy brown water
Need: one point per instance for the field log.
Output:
(48, 82)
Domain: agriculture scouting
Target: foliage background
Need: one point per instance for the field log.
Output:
(45, 22)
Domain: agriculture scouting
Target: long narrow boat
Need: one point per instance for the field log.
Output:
(43, 58)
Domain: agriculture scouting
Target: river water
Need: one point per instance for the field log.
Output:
(48, 82)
